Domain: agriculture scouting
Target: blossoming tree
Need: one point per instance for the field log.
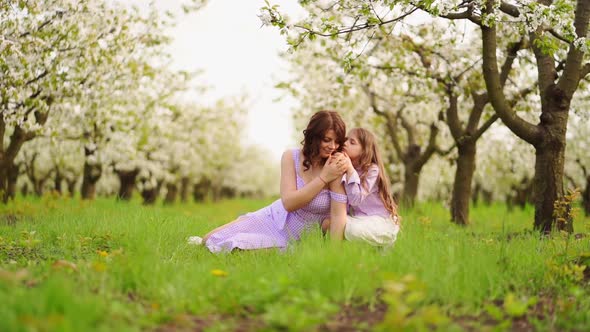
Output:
(555, 33)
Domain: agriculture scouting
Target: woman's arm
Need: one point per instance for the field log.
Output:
(294, 199)
(337, 211)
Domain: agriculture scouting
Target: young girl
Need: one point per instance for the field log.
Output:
(311, 191)
(372, 211)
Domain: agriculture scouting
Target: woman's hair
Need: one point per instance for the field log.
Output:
(318, 126)
(371, 155)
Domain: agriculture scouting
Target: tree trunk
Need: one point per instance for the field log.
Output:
(92, 174)
(58, 179)
(71, 187)
(8, 177)
(151, 195)
(509, 203)
(171, 193)
(201, 190)
(184, 182)
(228, 192)
(7, 156)
(12, 178)
(24, 190)
(411, 182)
(38, 186)
(4, 182)
(487, 196)
(475, 194)
(462, 183)
(216, 193)
(586, 197)
(548, 181)
(522, 193)
(127, 184)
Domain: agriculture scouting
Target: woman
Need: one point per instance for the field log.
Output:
(311, 191)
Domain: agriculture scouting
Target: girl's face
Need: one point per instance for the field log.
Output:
(352, 146)
(328, 144)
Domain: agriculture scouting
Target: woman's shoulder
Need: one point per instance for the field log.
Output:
(290, 153)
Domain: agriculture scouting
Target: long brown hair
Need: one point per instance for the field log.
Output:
(318, 126)
(371, 155)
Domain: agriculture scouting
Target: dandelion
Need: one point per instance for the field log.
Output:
(102, 253)
(218, 273)
(99, 267)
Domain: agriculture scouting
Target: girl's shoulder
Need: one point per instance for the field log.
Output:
(374, 168)
(372, 171)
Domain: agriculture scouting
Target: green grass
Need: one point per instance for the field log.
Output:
(67, 265)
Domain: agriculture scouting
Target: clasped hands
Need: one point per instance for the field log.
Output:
(336, 165)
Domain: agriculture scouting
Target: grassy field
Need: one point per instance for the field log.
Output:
(68, 265)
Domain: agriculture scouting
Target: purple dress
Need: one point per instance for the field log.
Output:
(273, 226)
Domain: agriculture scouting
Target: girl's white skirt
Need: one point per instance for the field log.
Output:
(375, 230)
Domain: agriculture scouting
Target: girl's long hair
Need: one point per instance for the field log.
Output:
(313, 135)
(371, 155)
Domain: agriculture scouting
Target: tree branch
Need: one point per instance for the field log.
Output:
(356, 28)
(32, 96)
(458, 76)
(40, 76)
(583, 167)
(479, 103)
(486, 125)
(568, 82)
(572, 180)
(39, 28)
(517, 125)
(443, 153)
(430, 149)
(512, 52)
(467, 14)
(558, 36)
(509, 9)
(453, 115)
(390, 122)
(17, 139)
(408, 127)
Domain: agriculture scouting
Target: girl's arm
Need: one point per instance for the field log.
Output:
(354, 190)
(337, 210)
(293, 198)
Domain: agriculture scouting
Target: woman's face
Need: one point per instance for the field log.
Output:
(352, 146)
(328, 144)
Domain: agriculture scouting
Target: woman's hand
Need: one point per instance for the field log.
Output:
(333, 170)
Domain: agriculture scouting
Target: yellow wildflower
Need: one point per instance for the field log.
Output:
(99, 267)
(218, 273)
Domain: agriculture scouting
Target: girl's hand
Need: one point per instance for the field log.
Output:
(347, 163)
(342, 161)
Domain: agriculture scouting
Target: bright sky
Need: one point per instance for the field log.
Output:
(226, 40)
